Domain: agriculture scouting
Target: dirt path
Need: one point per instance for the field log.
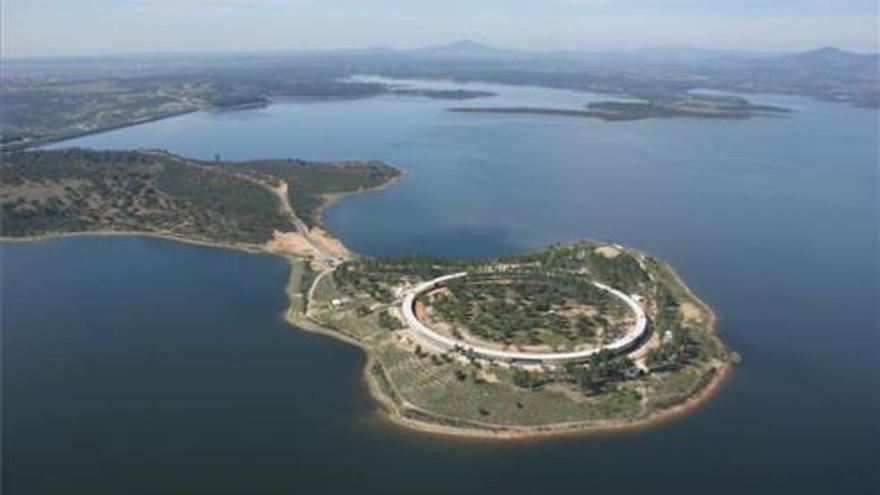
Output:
(305, 240)
(311, 294)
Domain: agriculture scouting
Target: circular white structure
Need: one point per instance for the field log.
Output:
(444, 343)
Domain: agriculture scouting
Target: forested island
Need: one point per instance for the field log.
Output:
(575, 337)
(703, 106)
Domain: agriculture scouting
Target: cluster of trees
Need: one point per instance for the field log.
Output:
(134, 190)
(676, 352)
(153, 191)
(599, 374)
(371, 282)
(389, 322)
(529, 379)
(668, 315)
(519, 307)
(601, 371)
(684, 346)
(419, 267)
(623, 271)
(309, 181)
(588, 326)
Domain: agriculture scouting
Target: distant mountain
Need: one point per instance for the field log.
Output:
(822, 62)
(466, 49)
(829, 54)
(826, 56)
(830, 58)
(470, 49)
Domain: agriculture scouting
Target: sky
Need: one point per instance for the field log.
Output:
(36, 28)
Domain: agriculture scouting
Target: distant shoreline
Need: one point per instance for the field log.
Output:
(122, 125)
(423, 93)
(241, 247)
(629, 112)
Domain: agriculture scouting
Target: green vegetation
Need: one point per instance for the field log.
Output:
(686, 105)
(443, 94)
(39, 110)
(75, 190)
(542, 297)
(359, 301)
(46, 100)
(603, 370)
(531, 308)
(309, 182)
(563, 112)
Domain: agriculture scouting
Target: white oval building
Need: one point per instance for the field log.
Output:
(443, 343)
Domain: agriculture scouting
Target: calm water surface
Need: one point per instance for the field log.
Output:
(137, 366)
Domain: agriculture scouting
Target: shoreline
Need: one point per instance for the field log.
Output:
(397, 413)
(328, 200)
(393, 415)
(76, 135)
(280, 99)
(240, 247)
(495, 431)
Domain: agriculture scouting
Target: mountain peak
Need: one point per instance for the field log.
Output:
(466, 43)
(461, 46)
(827, 51)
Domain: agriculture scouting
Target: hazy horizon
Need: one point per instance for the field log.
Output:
(57, 28)
(269, 51)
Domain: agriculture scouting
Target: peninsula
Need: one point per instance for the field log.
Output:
(577, 337)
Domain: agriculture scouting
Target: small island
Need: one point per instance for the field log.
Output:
(442, 94)
(688, 105)
(585, 336)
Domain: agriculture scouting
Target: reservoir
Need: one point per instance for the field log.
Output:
(137, 365)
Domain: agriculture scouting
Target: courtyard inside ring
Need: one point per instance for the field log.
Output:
(439, 341)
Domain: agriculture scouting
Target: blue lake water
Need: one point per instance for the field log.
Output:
(134, 365)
